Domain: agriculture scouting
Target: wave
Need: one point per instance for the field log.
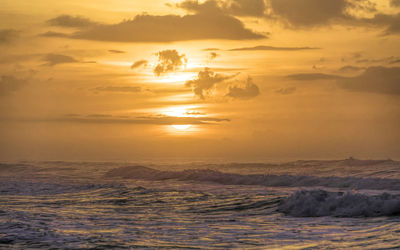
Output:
(207, 175)
(316, 203)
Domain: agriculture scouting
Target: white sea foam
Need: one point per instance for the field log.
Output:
(316, 203)
(207, 175)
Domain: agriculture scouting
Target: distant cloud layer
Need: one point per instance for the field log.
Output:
(71, 21)
(375, 80)
(54, 59)
(382, 80)
(262, 47)
(150, 28)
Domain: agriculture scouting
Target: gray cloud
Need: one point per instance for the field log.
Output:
(376, 80)
(138, 64)
(244, 91)
(8, 35)
(206, 81)
(169, 61)
(54, 59)
(149, 28)
(262, 47)
(10, 84)
(71, 21)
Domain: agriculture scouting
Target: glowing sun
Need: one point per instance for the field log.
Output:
(181, 127)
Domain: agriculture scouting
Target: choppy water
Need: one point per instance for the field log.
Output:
(304, 204)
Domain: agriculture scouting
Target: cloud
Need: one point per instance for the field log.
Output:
(126, 89)
(71, 21)
(213, 55)
(154, 120)
(390, 22)
(205, 82)
(313, 77)
(246, 91)
(169, 61)
(308, 12)
(395, 3)
(382, 80)
(116, 51)
(350, 69)
(262, 47)
(254, 8)
(150, 28)
(286, 91)
(210, 49)
(54, 59)
(138, 64)
(8, 35)
(312, 13)
(10, 84)
(375, 80)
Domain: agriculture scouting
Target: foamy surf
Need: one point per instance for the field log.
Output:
(81, 205)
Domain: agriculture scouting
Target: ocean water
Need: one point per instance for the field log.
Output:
(338, 204)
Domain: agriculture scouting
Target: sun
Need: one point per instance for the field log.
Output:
(181, 127)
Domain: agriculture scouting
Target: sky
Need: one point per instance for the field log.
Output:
(234, 80)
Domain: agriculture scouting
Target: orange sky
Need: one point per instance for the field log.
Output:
(233, 80)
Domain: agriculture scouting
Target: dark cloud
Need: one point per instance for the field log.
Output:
(395, 3)
(390, 22)
(169, 61)
(313, 77)
(244, 91)
(54, 59)
(8, 35)
(10, 84)
(71, 21)
(205, 82)
(116, 51)
(286, 91)
(124, 89)
(375, 80)
(262, 47)
(253, 8)
(138, 64)
(149, 28)
(308, 12)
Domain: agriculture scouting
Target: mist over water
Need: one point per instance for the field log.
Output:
(303, 204)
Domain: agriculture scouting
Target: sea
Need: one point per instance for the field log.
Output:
(305, 204)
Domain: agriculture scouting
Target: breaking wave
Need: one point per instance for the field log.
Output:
(316, 203)
(207, 175)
